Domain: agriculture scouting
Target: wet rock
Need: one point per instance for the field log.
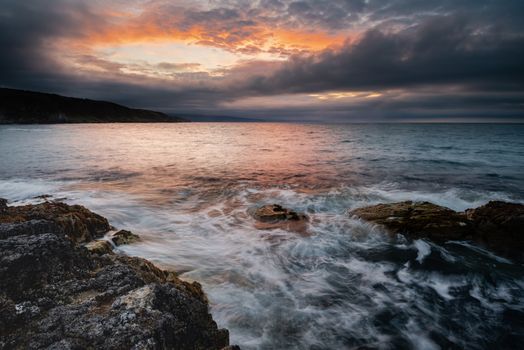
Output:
(274, 213)
(273, 216)
(55, 294)
(78, 223)
(418, 219)
(99, 247)
(499, 226)
(3, 205)
(45, 197)
(124, 237)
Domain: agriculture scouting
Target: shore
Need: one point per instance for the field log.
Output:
(63, 286)
(64, 289)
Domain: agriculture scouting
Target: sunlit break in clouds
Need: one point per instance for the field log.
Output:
(310, 60)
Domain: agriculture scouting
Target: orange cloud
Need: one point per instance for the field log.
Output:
(231, 34)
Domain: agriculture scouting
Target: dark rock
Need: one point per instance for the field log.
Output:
(78, 223)
(418, 219)
(31, 263)
(55, 294)
(499, 226)
(3, 205)
(31, 227)
(124, 237)
(45, 197)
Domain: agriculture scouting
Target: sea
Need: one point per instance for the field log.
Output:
(343, 283)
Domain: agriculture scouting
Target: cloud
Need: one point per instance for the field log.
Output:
(460, 58)
(442, 50)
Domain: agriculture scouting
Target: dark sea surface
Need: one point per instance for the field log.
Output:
(343, 284)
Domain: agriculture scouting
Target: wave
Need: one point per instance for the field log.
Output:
(344, 285)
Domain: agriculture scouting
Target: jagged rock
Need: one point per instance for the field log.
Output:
(124, 237)
(496, 225)
(99, 247)
(418, 219)
(78, 223)
(55, 294)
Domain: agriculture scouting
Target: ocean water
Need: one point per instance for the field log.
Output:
(342, 284)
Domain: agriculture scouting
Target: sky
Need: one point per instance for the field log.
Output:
(306, 60)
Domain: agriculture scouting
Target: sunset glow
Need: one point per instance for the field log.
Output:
(206, 57)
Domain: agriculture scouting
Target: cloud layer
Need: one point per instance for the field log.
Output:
(353, 60)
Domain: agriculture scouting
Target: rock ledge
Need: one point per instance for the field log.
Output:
(496, 225)
(56, 294)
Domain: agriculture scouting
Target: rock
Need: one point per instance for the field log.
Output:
(55, 294)
(418, 219)
(124, 237)
(500, 226)
(275, 213)
(3, 205)
(100, 247)
(45, 197)
(274, 216)
(497, 225)
(78, 223)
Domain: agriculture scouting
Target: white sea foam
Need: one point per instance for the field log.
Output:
(185, 190)
(423, 250)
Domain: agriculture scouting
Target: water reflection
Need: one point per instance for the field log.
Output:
(186, 189)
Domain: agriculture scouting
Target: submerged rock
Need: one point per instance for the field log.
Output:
(496, 225)
(124, 237)
(55, 293)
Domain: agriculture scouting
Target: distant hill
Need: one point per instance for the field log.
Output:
(27, 107)
(220, 118)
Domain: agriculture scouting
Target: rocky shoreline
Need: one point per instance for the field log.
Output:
(498, 226)
(63, 289)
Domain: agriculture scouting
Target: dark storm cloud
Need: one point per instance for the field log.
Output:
(441, 50)
(26, 27)
(475, 48)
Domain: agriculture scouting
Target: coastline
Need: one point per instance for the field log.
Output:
(65, 287)
(61, 290)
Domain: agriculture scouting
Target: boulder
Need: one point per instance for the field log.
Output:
(55, 294)
(124, 237)
(418, 219)
(497, 225)
(274, 216)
